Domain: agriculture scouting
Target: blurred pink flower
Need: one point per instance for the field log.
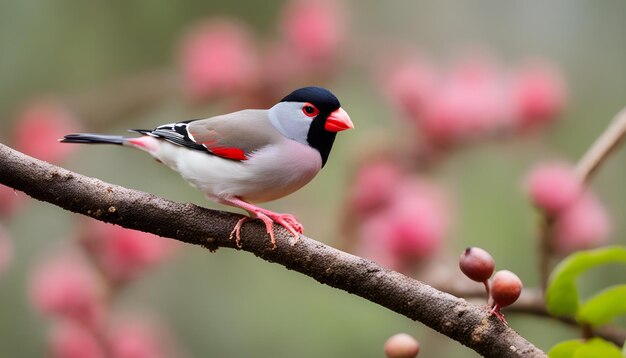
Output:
(123, 254)
(6, 249)
(584, 225)
(538, 93)
(71, 340)
(218, 57)
(411, 227)
(315, 30)
(409, 82)
(65, 286)
(373, 234)
(39, 127)
(374, 185)
(11, 201)
(469, 104)
(553, 187)
(473, 100)
(139, 339)
(419, 218)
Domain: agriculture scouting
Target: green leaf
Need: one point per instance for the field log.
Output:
(593, 348)
(565, 349)
(604, 306)
(598, 348)
(562, 295)
(624, 350)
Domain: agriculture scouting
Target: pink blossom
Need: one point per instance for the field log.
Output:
(123, 254)
(6, 250)
(553, 187)
(409, 82)
(374, 232)
(71, 340)
(411, 227)
(374, 185)
(468, 104)
(139, 339)
(64, 286)
(315, 30)
(218, 57)
(419, 218)
(40, 126)
(583, 225)
(538, 93)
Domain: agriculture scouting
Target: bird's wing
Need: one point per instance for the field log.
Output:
(232, 136)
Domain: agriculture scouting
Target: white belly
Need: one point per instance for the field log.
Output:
(269, 174)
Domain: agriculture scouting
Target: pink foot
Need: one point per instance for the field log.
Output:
(237, 231)
(290, 223)
(289, 220)
(268, 217)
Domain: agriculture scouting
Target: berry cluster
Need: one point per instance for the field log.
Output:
(505, 288)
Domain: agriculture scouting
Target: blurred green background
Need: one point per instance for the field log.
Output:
(231, 304)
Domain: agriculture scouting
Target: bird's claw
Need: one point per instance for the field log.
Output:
(236, 233)
(292, 225)
(287, 221)
(291, 221)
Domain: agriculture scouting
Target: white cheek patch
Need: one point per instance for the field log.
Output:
(290, 121)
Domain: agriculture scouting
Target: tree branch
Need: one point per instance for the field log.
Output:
(468, 324)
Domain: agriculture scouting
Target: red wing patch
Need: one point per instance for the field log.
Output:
(229, 153)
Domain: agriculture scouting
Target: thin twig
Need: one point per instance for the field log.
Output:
(606, 143)
(612, 137)
(454, 317)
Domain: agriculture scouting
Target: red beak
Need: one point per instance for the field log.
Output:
(338, 120)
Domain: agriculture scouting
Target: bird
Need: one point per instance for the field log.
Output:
(248, 157)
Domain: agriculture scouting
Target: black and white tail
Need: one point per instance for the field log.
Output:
(90, 138)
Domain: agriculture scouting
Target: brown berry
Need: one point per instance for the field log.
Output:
(401, 345)
(506, 288)
(476, 264)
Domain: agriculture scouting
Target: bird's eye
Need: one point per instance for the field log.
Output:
(309, 110)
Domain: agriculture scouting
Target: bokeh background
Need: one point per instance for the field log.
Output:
(112, 65)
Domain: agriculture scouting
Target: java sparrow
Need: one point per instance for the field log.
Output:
(247, 157)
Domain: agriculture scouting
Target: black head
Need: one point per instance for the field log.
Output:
(324, 103)
(323, 99)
